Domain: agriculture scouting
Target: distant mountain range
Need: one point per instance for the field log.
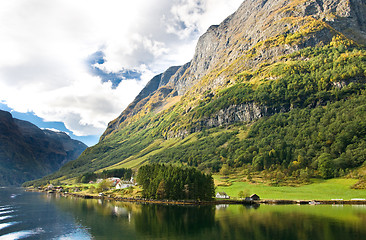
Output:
(27, 152)
(278, 86)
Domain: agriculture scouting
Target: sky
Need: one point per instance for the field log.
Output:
(75, 65)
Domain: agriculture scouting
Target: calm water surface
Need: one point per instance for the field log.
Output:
(25, 215)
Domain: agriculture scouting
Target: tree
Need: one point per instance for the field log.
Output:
(104, 186)
(244, 193)
(225, 170)
(161, 191)
(83, 179)
(325, 166)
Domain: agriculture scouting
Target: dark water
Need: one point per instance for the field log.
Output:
(26, 215)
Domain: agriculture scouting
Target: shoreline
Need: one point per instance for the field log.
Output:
(213, 202)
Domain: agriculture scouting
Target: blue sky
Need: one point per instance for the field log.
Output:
(76, 65)
(114, 77)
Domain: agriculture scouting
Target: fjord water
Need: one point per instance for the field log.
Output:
(25, 215)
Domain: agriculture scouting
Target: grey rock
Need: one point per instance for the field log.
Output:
(255, 21)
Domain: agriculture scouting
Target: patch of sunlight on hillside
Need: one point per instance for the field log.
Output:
(168, 103)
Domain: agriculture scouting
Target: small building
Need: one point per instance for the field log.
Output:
(121, 185)
(222, 195)
(255, 197)
(114, 181)
(50, 187)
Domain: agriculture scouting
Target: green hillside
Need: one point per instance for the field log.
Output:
(288, 99)
(319, 124)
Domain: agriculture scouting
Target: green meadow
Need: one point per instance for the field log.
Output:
(337, 188)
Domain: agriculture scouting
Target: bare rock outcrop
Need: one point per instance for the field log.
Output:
(249, 37)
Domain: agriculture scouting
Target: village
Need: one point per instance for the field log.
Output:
(117, 185)
(112, 183)
(109, 186)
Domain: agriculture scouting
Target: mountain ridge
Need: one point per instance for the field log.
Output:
(27, 152)
(206, 57)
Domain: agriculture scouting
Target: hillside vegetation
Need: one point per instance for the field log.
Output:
(292, 104)
(318, 127)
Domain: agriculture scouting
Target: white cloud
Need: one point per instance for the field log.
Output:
(54, 130)
(193, 17)
(44, 47)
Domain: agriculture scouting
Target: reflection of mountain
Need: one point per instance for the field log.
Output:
(108, 220)
(27, 152)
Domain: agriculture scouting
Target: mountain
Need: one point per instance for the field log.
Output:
(27, 152)
(278, 86)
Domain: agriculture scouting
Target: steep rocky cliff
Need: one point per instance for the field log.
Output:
(27, 152)
(143, 97)
(258, 33)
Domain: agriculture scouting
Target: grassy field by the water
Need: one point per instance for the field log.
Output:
(318, 189)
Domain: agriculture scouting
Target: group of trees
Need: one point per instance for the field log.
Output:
(123, 173)
(175, 183)
(201, 153)
(329, 139)
(325, 141)
(329, 74)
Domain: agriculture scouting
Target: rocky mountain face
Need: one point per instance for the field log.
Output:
(242, 98)
(27, 152)
(142, 98)
(258, 33)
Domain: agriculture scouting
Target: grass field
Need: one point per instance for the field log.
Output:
(319, 190)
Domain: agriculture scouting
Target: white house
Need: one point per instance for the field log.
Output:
(114, 180)
(222, 195)
(122, 185)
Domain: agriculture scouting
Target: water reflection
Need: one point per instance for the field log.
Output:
(175, 221)
(291, 222)
(116, 220)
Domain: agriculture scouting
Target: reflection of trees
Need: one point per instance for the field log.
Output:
(174, 221)
(116, 220)
(250, 224)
